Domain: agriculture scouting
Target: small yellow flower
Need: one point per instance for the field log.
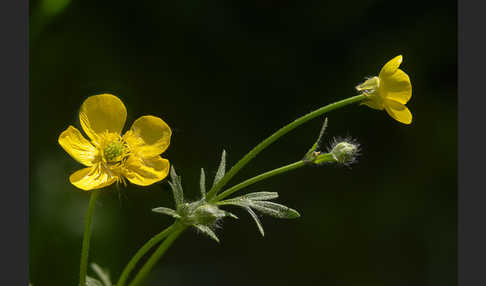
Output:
(110, 157)
(390, 90)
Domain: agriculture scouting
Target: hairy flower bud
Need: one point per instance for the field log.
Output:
(344, 151)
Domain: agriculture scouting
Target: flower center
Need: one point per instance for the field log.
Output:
(114, 150)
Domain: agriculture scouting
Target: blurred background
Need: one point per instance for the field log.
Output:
(227, 74)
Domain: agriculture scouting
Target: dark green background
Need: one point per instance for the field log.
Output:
(227, 74)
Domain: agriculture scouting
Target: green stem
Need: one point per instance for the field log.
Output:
(178, 229)
(282, 131)
(266, 175)
(83, 267)
(174, 231)
(141, 252)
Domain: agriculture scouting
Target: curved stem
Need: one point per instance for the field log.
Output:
(83, 267)
(141, 252)
(282, 131)
(178, 229)
(266, 175)
(258, 178)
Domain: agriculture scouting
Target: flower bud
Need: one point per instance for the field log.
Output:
(344, 151)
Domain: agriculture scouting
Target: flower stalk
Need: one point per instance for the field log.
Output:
(322, 158)
(141, 252)
(83, 267)
(147, 267)
(282, 131)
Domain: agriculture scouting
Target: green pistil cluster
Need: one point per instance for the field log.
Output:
(114, 151)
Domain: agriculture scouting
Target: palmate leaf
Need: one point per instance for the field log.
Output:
(102, 274)
(90, 281)
(274, 209)
(202, 183)
(317, 144)
(176, 187)
(221, 169)
(256, 219)
(259, 196)
(208, 231)
(231, 215)
(259, 201)
(166, 211)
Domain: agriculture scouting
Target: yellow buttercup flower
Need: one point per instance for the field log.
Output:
(390, 90)
(110, 157)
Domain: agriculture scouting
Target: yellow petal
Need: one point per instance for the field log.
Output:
(101, 113)
(73, 142)
(391, 66)
(148, 137)
(145, 171)
(397, 87)
(398, 111)
(91, 178)
(374, 101)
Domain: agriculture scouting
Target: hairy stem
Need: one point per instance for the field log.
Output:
(141, 252)
(266, 175)
(282, 131)
(83, 267)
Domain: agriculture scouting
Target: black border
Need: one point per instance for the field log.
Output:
(14, 88)
(471, 102)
